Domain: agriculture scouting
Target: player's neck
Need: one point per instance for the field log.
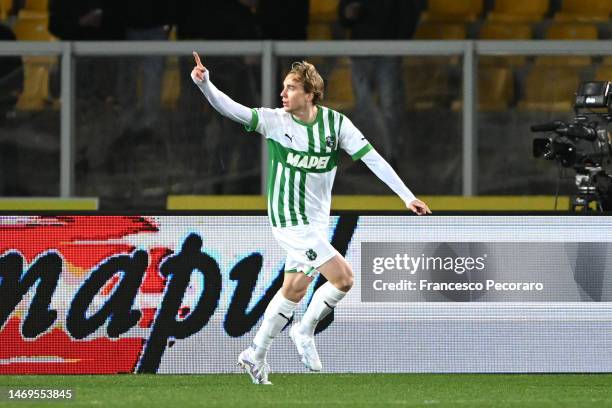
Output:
(306, 115)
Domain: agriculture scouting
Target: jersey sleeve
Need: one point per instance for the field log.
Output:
(351, 140)
(264, 121)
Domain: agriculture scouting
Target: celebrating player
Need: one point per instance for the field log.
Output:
(303, 141)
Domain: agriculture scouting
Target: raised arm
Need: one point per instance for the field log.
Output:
(385, 172)
(217, 99)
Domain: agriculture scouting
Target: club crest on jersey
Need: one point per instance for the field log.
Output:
(329, 141)
(307, 162)
(311, 254)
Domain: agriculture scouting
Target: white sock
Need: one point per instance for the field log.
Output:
(276, 316)
(323, 302)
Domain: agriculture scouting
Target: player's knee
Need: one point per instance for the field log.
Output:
(346, 281)
(294, 291)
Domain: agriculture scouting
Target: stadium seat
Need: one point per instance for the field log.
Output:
(319, 31)
(323, 11)
(569, 31)
(585, 7)
(440, 31)
(33, 29)
(603, 73)
(426, 87)
(607, 60)
(495, 90)
(37, 5)
(550, 88)
(452, 10)
(501, 31)
(171, 84)
(517, 11)
(339, 87)
(35, 95)
(585, 11)
(5, 8)
(437, 31)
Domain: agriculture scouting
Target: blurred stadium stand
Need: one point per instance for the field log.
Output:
(513, 92)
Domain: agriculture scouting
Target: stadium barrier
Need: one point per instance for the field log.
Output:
(48, 203)
(378, 203)
(469, 52)
(185, 293)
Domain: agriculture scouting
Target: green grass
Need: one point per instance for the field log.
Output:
(312, 390)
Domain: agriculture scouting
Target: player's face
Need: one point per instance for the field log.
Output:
(293, 96)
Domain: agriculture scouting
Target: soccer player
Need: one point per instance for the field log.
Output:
(303, 140)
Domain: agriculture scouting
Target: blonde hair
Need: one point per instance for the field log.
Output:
(307, 74)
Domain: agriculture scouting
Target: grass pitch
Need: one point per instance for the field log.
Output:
(312, 390)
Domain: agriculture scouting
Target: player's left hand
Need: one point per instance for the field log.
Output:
(419, 207)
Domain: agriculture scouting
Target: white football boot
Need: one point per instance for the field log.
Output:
(257, 370)
(306, 349)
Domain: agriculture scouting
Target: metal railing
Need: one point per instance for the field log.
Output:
(269, 50)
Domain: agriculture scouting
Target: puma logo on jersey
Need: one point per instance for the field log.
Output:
(289, 137)
(307, 162)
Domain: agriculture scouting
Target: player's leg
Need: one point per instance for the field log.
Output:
(277, 315)
(279, 311)
(339, 277)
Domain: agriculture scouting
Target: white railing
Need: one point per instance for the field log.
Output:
(269, 50)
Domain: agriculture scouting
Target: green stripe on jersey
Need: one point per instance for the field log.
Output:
(362, 152)
(254, 121)
(332, 129)
(294, 220)
(311, 148)
(281, 198)
(321, 134)
(303, 198)
(271, 183)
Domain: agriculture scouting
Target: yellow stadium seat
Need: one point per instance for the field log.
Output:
(586, 7)
(607, 60)
(426, 87)
(5, 8)
(323, 11)
(495, 90)
(563, 17)
(522, 7)
(550, 88)
(502, 31)
(319, 31)
(440, 31)
(339, 87)
(437, 31)
(497, 31)
(35, 95)
(452, 10)
(603, 73)
(171, 84)
(569, 31)
(518, 11)
(33, 29)
(37, 5)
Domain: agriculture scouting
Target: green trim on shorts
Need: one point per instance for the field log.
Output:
(291, 271)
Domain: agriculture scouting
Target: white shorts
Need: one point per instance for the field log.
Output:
(307, 247)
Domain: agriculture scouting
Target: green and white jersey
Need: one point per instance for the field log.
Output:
(302, 162)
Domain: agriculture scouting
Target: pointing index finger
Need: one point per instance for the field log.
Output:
(197, 60)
